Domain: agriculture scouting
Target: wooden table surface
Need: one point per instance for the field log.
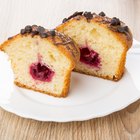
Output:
(122, 125)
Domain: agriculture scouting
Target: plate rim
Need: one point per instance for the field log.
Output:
(107, 112)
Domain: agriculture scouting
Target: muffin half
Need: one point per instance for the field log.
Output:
(42, 60)
(103, 43)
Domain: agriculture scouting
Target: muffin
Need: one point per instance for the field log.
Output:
(42, 60)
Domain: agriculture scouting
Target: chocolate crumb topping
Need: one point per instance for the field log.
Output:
(115, 21)
(37, 30)
(28, 29)
(64, 20)
(88, 15)
(126, 28)
(34, 32)
(40, 29)
(74, 15)
(120, 29)
(23, 31)
(94, 13)
(43, 34)
(10, 38)
(123, 29)
(34, 26)
(52, 32)
(102, 14)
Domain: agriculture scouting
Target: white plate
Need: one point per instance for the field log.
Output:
(89, 97)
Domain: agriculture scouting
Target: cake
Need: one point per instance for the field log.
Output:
(42, 60)
(103, 43)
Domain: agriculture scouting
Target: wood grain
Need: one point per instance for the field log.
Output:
(122, 125)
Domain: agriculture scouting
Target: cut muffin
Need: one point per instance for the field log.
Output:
(42, 60)
(103, 43)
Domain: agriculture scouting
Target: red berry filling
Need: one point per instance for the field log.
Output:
(41, 72)
(90, 57)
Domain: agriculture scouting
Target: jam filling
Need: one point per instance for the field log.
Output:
(90, 57)
(41, 72)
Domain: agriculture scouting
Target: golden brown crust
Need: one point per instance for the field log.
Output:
(63, 94)
(117, 78)
(4, 44)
